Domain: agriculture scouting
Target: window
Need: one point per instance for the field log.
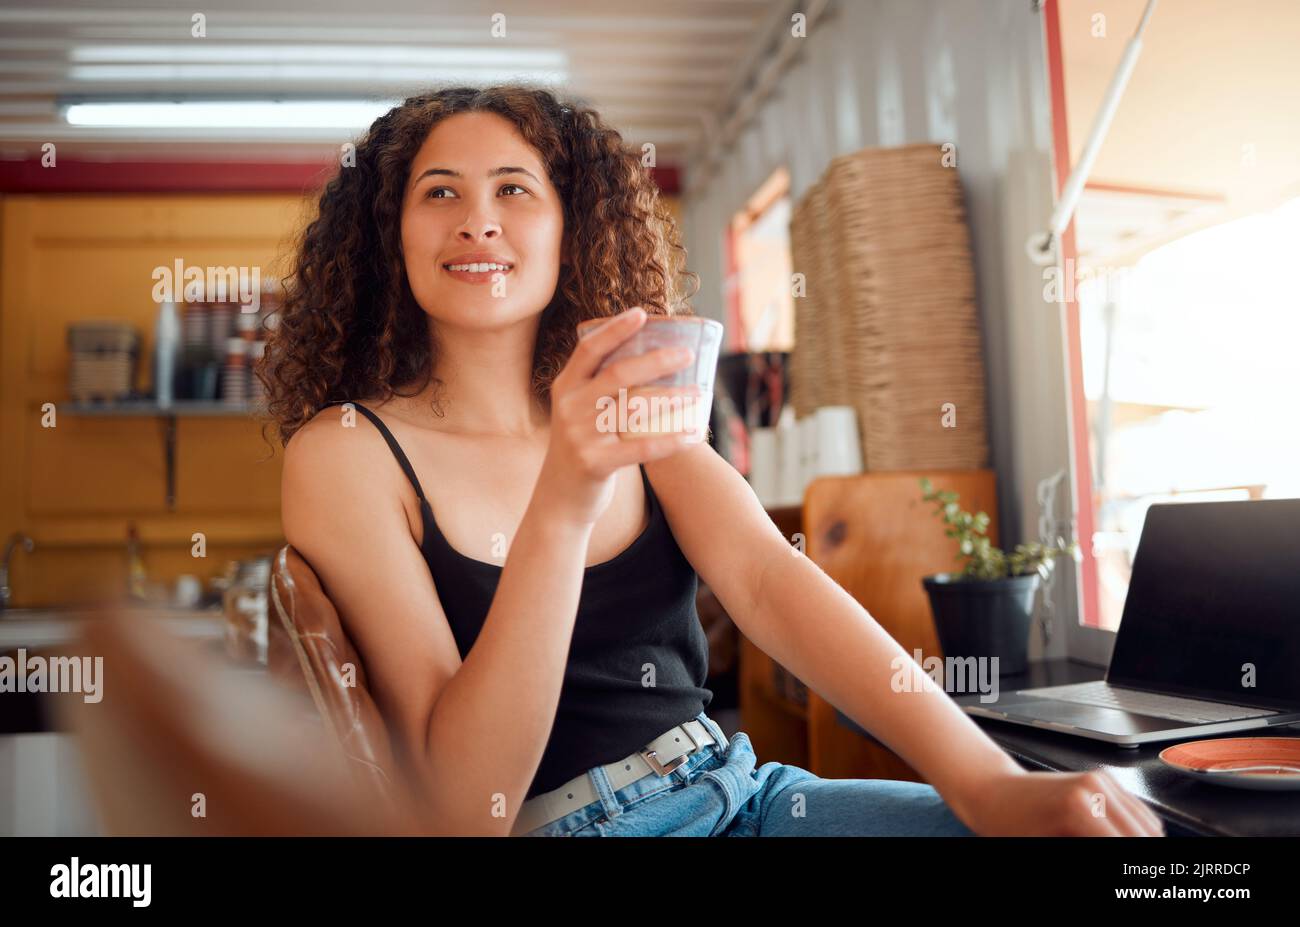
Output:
(1191, 380)
(762, 305)
(1179, 345)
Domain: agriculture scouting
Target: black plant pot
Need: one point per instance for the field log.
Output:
(984, 618)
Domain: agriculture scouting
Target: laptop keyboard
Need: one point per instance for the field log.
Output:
(1190, 710)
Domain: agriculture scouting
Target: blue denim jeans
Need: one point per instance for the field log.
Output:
(718, 792)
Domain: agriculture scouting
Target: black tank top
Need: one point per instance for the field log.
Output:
(638, 658)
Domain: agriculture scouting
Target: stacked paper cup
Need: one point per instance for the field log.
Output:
(765, 465)
(884, 245)
(838, 449)
(785, 459)
(807, 449)
(791, 481)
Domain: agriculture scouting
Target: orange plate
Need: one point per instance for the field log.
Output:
(1240, 762)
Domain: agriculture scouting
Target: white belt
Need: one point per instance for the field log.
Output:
(660, 757)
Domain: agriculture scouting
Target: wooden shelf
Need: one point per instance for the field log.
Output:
(181, 408)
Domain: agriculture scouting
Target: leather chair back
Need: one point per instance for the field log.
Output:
(308, 648)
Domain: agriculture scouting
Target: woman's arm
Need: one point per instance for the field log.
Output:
(794, 612)
(809, 624)
(472, 733)
(504, 698)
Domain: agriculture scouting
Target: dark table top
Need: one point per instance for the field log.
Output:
(1188, 806)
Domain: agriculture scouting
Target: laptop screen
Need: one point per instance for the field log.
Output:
(1214, 604)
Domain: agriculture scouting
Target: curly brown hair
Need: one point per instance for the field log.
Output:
(350, 326)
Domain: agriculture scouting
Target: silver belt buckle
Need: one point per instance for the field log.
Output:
(650, 757)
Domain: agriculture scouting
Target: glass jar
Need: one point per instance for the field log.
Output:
(245, 606)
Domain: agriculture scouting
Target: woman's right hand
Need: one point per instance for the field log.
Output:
(577, 477)
(1056, 804)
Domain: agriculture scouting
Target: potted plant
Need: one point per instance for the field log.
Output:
(986, 609)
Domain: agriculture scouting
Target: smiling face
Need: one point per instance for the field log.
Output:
(477, 193)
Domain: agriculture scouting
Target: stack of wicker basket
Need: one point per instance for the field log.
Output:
(889, 323)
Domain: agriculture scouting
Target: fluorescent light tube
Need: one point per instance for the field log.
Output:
(287, 114)
(261, 53)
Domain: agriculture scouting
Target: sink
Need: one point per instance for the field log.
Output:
(48, 613)
(98, 610)
(42, 627)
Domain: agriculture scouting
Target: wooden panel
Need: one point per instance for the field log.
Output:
(777, 730)
(875, 537)
(223, 465)
(93, 466)
(109, 465)
(74, 487)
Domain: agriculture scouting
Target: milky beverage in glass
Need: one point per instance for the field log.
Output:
(665, 405)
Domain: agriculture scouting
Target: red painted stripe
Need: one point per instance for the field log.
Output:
(1068, 254)
(667, 179)
(74, 175)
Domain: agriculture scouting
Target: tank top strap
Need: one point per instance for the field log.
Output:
(396, 448)
(656, 509)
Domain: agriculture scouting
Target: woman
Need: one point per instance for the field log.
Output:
(534, 647)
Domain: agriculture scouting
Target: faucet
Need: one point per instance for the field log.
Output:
(14, 540)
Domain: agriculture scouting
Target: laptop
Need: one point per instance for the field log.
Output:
(1209, 641)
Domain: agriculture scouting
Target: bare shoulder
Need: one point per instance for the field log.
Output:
(339, 459)
(335, 434)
